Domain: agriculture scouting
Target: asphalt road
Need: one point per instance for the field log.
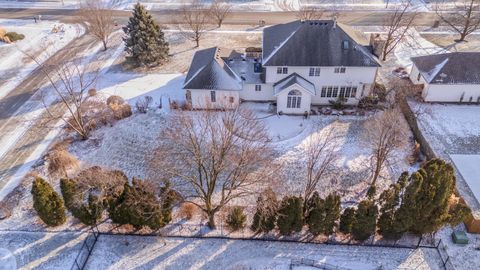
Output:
(237, 17)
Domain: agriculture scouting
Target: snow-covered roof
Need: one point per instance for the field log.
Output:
(449, 68)
(208, 71)
(315, 43)
(292, 79)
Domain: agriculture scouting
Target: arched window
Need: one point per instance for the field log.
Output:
(294, 99)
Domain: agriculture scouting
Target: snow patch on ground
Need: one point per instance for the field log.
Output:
(39, 42)
(126, 252)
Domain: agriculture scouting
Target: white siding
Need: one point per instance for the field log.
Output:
(451, 92)
(414, 76)
(304, 104)
(362, 77)
(201, 99)
(249, 94)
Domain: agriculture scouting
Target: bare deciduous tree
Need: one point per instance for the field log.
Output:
(194, 21)
(309, 13)
(219, 10)
(99, 18)
(397, 24)
(320, 153)
(463, 16)
(68, 84)
(215, 156)
(384, 134)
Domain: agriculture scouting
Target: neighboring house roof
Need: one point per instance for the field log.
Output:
(315, 43)
(208, 71)
(292, 79)
(450, 68)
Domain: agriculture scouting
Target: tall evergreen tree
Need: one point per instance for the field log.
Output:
(323, 214)
(346, 220)
(266, 213)
(144, 42)
(365, 220)
(316, 212)
(90, 212)
(138, 206)
(389, 200)
(290, 215)
(426, 205)
(48, 203)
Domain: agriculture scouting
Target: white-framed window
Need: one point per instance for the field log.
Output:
(324, 91)
(418, 77)
(258, 87)
(279, 70)
(314, 72)
(354, 91)
(335, 91)
(285, 70)
(231, 99)
(294, 99)
(329, 91)
(348, 91)
(213, 97)
(340, 70)
(342, 92)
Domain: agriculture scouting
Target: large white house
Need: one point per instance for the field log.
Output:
(449, 77)
(302, 63)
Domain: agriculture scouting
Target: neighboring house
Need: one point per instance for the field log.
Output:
(303, 63)
(449, 77)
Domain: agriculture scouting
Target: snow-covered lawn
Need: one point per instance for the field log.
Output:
(469, 168)
(462, 257)
(452, 130)
(41, 250)
(128, 252)
(39, 42)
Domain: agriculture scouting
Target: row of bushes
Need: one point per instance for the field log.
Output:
(96, 190)
(420, 203)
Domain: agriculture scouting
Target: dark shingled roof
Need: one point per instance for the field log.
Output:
(291, 79)
(450, 68)
(209, 71)
(315, 43)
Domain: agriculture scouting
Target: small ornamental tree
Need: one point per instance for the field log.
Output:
(144, 42)
(346, 220)
(48, 203)
(236, 219)
(266, 213)
(138, 206)
(290, 215)
(365, 220)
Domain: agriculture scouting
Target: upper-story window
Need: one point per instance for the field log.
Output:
(258, 87)
(282, 70)
(340, 70)
(418, 77)
(314, 72)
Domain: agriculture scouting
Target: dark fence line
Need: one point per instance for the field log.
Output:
(201, 231)
(86, 249)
